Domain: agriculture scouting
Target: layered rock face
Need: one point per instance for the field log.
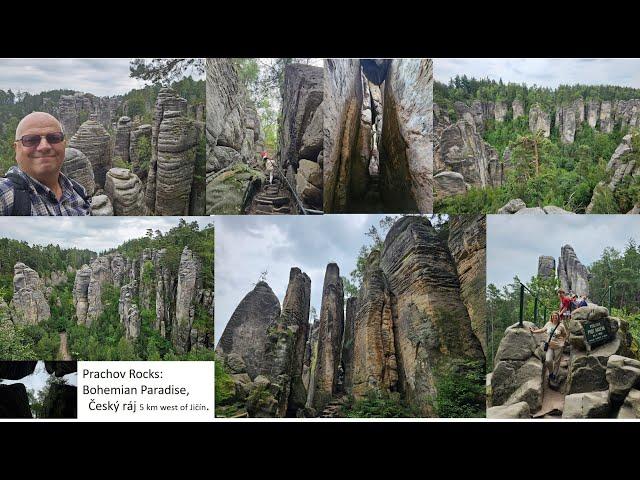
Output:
(94, 141)
(621, 166)
(233, 137)
(330, 333)
(78, 167)
(189, 283)
(546, 267)
(468, 244)
(301, 136)
(429, 317)
(128, 311)
(28, 304)
(125, 191)
(100, 277)
(246, 333)
(122, 139)
(101, 206)
(396, 168)
(71, 107)
(374, 365)
(517, 108)
(173, 144)
(573, 275)
(285, 351)
(348, 340)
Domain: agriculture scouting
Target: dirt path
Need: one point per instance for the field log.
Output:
(63, 352)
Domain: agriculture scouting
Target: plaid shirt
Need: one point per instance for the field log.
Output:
(43, 200)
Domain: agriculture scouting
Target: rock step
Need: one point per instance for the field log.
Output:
(276, 201)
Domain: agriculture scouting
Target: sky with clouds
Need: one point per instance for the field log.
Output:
(547, 72)
(99, 76)
(93, 233)
(514, 242)
(246, 246)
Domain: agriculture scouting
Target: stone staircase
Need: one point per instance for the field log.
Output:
(333, 408)
(553, 393)
(273, 199)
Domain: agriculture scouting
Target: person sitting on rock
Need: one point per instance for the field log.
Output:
(36, 186)
(556, 337)
(583, 301)
(565, 305)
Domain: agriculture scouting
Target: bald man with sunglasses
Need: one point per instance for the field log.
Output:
(36, 186)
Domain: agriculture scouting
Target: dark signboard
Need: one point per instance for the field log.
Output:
(596, 332)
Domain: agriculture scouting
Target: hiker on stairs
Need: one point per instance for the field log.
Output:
(269, 166)
(557, 335)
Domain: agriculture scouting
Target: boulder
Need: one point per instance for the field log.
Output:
(517, 410)
(631, 406)
(530, 211)
(101, 206)
(125, 191)
(623, 374)
(586, 405)
(229, 189)
(448, 184)
(94, 141)
(512, 206)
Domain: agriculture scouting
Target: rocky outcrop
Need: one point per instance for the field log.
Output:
(29, 305)
(14, 401)
(229, 190)
(461, 149)
(447, 184)
(128, 311)
(429, 316)
(500, 111)
(101, 206)
(517, 108)
(467, 244)
(94, 141)
(574, 276)
(593, 113)
(285, 351)
(173, 153)
(165, 293)
(81, 293)
(78, 167)
(100, 277)
(122, 139)
(567, 122)
(518, 207)
(125, 191)
(246, 334)
(189, 282)
(374, 365)
(546, 267)
(539, 120)
(606, 117)
(621, 166)
(331, 328)
(627, 113)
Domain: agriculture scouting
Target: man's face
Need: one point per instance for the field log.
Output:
(44, 159)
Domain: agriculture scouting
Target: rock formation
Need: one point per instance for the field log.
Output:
(125, 191)
(14, 401)
(71, 108)
(122, 139)
(301, 131)
(100, 277)
(330, 333)
(234, 140)
(517, 108)
(101, 206)
(517, 206)
(137, 153)
(546, 267)
(128, 311)
(81, 293)
(246, 333)
(78, 167)
(467, 244)
(394, 172)
(573, 275)
(539, 120)
(28, 304)
(94, 141)
(348, 339)
(173, 153)
(189, 282)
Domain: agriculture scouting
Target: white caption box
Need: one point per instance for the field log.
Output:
(146, 391)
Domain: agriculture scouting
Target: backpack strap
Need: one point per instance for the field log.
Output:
(79, 189)
(21, 197)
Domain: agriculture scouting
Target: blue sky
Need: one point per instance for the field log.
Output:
(548, 72)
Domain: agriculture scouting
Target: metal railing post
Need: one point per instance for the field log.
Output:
(535, 309)
(521, 324)
(544, 312)
(609, 299)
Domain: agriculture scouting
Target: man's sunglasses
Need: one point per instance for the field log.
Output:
(34, 140)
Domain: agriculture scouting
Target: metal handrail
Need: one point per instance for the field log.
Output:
(536, 305)
(305, 211)
(608, 296)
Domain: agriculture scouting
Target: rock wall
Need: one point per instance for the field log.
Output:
(81, 293)
(128, 311)
(539, 120)
(468, 244)
(71, 107)
(301, 136)
(122, 139)
(189, 283)
(138, 136)
(77, 166)
(573, 275)
(125, 191)
(329, 340)
(546, 267)
(29, 305)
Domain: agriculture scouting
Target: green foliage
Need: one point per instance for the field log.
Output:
(377, 404)
(163, 70)
(621, 271)
(225, 391)
(118, 162)
(376, 235)
(461, 391)
(15, 344)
